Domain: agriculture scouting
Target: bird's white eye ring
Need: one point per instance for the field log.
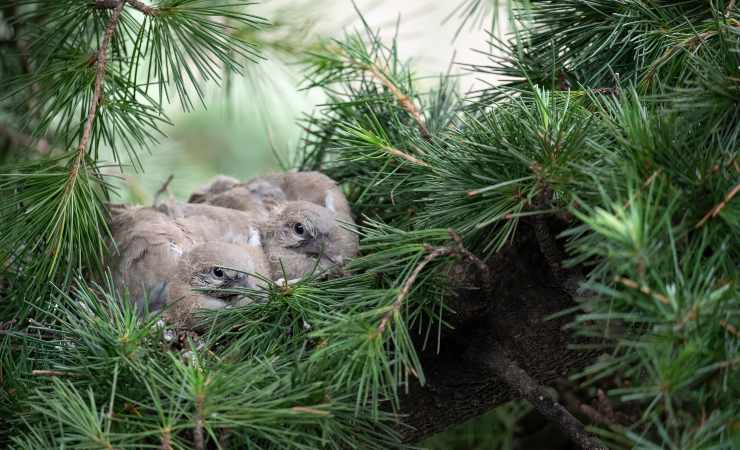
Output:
(218, 272)
(299, 229)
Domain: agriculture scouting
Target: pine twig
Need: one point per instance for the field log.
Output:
(412, 159)
(52, 373)
(712, 213)
(403, 99)
(644, 289)
(198, 438)
(167, 439)
(101, 59)
(396, 307)
(519, 380)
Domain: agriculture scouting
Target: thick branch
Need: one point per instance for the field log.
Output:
(520, 381)
(514, 314)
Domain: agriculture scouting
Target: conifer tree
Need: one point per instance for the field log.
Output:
(575, 228)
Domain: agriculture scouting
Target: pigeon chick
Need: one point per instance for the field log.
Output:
(206, 273)
(160, 260)
(314, 187)
(301, 236)
(269, 191)
(208, 223)
(217, 185)
(147, 246)
(256, 197)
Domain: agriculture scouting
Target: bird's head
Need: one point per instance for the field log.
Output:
(307, 229)
(214, 266)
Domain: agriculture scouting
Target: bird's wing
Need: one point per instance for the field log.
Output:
(149, 246)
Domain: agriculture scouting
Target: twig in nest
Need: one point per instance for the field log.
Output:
(519, 380)
(163, 189)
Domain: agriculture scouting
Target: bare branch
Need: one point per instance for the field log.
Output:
(520, 381)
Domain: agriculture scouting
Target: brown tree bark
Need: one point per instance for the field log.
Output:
(510, 317)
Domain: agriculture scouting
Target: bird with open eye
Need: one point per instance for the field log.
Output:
(301, 237)
(212, 276)
(281, 195)
(168, 263)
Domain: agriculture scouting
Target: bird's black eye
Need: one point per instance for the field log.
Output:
(298, 228)
(218, 272)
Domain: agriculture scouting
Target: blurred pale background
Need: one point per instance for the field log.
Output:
(250, 128)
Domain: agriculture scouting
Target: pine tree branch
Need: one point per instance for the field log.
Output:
(101, 64)
(403, 99)
(198, 437)
(712, 213)
(396, 307)
(529, 389)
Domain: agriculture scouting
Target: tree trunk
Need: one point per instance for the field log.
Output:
(511, 317)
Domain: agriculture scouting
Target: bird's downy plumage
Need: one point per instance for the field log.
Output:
(180, 263)
(301, 236)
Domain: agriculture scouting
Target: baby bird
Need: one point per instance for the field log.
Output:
(206, 274)
(174, 264)
(268, 191)
(314, 187)
(297, 236)
(301, 236)
(270, 199)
